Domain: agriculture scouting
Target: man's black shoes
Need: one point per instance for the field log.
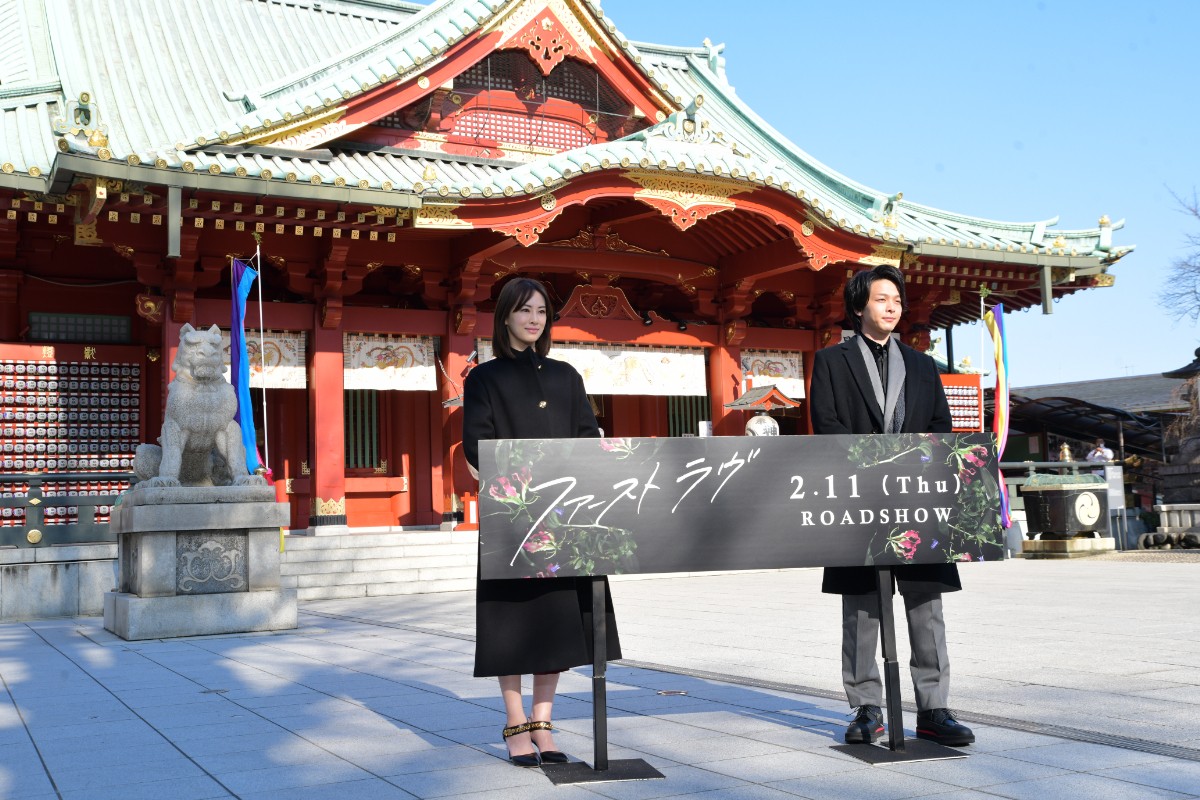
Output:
(939, 725)
(866, 727)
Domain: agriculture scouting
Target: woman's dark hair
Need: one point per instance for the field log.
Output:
(858, 291)
(515, 294)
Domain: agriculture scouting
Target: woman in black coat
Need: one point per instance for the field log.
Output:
(539, 626)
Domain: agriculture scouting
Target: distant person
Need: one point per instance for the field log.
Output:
(1099, 455)
(874, 384)
(538, 626)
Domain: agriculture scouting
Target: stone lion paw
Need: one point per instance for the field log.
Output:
(158, 481)
(251, 480)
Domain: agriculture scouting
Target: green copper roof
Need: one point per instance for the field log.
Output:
(231, 65)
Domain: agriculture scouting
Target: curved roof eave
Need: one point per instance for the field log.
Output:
(909, 221)
(391, 57)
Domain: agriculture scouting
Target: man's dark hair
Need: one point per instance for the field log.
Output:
(515, 294)
(858, 291)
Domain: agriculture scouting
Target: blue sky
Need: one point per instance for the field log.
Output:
(1018, 110)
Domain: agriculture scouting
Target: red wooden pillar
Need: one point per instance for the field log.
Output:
(451, 478)
(328, 455)
(10, 294)
(724, 385)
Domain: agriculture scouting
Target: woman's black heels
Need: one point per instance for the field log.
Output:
(548, 756)
(525, 759)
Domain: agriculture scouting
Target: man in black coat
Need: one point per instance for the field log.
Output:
(874, 384)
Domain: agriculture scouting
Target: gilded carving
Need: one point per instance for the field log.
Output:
(527, 27)
(685, 201)
(150, 307)
(439, 216)
(1104, 279)
(329, 508)
(527, 232)
(882, 254)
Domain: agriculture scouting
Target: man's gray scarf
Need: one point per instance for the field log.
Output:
(893, 404)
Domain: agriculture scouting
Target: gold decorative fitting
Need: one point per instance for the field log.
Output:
(1105, 221)
(214, 169)
(346, 94)
(132, 160)
(287, 116)
(508, 191)
(364, 184)
(265, 174)
(386, 186)
(308, 109)
(246, 129)
(605, 163)
(315, 180)
(443, 190)
(806, 228)
(34, 536)
(290, 177)
(423, 81)
(224, 136)
(266, 123)
(465, 191)
(240, 172)
(644, 162)
(528, 188)
(541, 404)
(549, 201)
(8, 168)
(339, 181)
(188, 166)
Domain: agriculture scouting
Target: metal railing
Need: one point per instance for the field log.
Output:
(51, 518)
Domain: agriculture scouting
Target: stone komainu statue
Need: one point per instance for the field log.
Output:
(201, 443)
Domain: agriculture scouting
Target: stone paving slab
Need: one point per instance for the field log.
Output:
(373, 698)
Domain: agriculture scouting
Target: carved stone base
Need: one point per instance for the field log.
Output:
(194, 568)
(134, 618)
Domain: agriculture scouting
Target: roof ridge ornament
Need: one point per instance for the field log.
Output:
(82, 121)
(716, 62)
(687, 125)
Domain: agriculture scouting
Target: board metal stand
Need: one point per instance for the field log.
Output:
(898, 749)
(625, 769)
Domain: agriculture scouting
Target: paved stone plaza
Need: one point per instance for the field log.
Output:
(1081, 679)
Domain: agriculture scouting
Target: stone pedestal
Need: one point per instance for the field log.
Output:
(1067, 548)
(198, 560)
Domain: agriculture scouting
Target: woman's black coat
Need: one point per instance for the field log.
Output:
(533, 625)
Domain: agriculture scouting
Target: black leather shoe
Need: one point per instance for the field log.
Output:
(866, 727)
(522, 759)
(939, 725)
(548, 756)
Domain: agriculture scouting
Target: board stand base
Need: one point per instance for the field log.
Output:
(913, 750)
(622, 769)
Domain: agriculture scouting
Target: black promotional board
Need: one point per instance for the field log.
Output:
(569, 507)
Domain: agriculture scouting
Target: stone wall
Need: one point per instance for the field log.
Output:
(57, 581)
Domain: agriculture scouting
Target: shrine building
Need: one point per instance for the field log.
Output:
(394, 164)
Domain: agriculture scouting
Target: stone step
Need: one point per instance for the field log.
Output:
(385, 576)
(385, 589)
(350, 564)
(397, 550)
(298, 543)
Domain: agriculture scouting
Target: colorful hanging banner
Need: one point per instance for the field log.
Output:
(994, 320)
(277, 359)
(629, 369)
(783, 370)
(389, 363)
(242, 277)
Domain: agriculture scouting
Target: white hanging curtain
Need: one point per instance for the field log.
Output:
(781, 369)
(277, 363)
(389, 363)
(629, 369)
